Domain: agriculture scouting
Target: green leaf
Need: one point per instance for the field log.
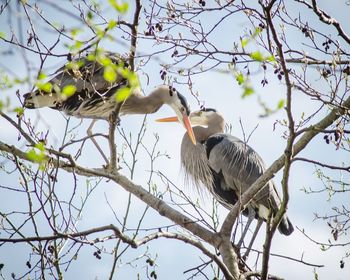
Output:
(91, 57)
(257, 56)
(5, 104)
(248, 90)
(69, 90)
(40, 146)
(77, 45)
(32, 155)
(123, 8)
(101, 33)
(47, 87)
(5, 81)
(122, 94)
(270, 58)
(2, 35)
(280, 104)
(18, 81)
(120, 8)
(37, 154)
(257, 31)
(124, 72)
(244, 42)
(42, 76)
(19, 111)
(89, 15)
(104, 60)
(75, 31)
(133, 79)
(75, 65)
(109, 74)
(240, 78)
(111, 24)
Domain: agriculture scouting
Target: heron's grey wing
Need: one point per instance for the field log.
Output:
(225, 195)
(240, 167)
(87, 76)
(92, 91)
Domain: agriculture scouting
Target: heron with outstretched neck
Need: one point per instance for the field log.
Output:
(95, 98)
(227, 167)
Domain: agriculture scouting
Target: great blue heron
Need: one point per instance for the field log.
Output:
(227, 167)
(95, 98)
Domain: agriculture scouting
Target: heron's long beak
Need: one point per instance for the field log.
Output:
(186, 122)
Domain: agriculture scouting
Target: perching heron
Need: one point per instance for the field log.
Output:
(95, 98)
(227, 167)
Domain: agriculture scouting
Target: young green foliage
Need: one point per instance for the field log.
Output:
(69, 90)
(109, 74)
(41, 85)
(133, 83)
(120, 8)
(245, 83)
(37, 155)
(269, 111)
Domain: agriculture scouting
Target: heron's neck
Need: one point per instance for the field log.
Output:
(216, 125)
(138, 104)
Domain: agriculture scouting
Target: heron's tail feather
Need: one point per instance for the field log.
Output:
(285, 227)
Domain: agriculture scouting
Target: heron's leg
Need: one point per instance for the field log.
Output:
(251, 216)
(89, 133)
(258, 225)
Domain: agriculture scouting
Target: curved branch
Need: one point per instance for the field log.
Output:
(345, 168)
(188, 240)
(59, 235)
(326, 18)
(291, 258)
(321, 243)
(157, 204)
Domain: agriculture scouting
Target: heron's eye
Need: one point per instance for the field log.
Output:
(171, 91)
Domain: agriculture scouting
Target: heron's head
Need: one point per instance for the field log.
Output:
(203, 116)
(179, 104)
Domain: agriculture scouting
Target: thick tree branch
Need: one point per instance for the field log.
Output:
(156, 203)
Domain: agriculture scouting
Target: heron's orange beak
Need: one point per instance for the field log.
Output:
(186, 122)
